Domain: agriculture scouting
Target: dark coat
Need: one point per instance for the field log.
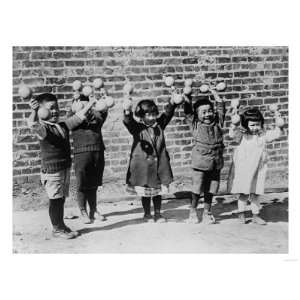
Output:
(149, 163)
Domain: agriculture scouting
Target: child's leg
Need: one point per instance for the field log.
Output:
(82, 200)
(146, 203)
(92, 201)
(242, 207)
(255, 208)
(197, 179)
(55, 213)
(210, 186)
(157, 207)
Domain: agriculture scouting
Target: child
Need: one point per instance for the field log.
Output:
(89, 162)
(55, 156)
(249, 161)
(207, 153)
(149, 168)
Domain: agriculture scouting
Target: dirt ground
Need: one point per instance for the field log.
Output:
(125, 232)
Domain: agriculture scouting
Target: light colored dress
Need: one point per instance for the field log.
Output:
(249, 167)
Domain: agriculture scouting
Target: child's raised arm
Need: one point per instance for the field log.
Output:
(220, 107)
(130, 123)
(33, 121)
(75, 120)
(167, 115)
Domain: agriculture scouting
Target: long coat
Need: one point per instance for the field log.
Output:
(149, 163)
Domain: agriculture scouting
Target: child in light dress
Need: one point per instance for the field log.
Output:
(248, 172)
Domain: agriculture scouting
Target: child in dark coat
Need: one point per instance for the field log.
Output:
(149, 169)
(207, 153)
(89, 162)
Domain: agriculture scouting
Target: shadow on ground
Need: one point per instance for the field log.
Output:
(176, 210)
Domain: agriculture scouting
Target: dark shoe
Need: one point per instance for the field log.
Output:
(63, 234)
(85, 218)
(242, 218)
(193, 217)
(159, 218)
(208, 218)
(147, 218)
(96, 216)
(67, 229)
(256, 219)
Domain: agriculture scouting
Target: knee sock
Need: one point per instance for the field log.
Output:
(207, 201)
(55, 212)
(81, 200)
(146, 205)
(92, 200)
(195, 200)
(157, 204)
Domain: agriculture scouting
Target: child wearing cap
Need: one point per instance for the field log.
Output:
(207, 153)
(53, 136)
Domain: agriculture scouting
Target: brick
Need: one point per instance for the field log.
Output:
(256, 75)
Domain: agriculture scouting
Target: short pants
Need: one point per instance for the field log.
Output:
(56, 184)
(205, 181)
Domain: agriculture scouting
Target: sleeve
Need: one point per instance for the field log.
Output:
(130, 123)
(38, 129)
(166, 116)
(188, 111)
(100, 117)
(74, 121)
(220, 110)
(235, 133)
(273, 134)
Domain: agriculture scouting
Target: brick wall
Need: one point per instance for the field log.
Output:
(256, 75)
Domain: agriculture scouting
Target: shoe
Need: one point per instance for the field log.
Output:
(242, 218)
(208, 218)
(96, 216)
(74, 232)
(159, 218)
(85, 218)
(148, 218)
(256, 219)
(63, 234)
(193, 218)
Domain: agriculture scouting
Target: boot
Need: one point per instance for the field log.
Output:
(207, 216)
(84, 217)
(242, 218)
(256, 219)
(193, 217)
(146, 203)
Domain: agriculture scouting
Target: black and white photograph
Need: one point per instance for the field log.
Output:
(150, 149)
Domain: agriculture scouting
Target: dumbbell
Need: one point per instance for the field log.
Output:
(25, 92)
(187, 90)
(278, 119)
(176, 96)
(235, 118)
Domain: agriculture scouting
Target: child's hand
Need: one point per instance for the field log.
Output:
(34, 105)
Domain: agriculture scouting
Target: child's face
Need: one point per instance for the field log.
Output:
(54, 110)
(150, 118)
(254, 126)
(205, 114)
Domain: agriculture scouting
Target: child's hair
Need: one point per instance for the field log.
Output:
(84, 98)
(46, 97)
(145, 106)
(252, 114)
(202, 100)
